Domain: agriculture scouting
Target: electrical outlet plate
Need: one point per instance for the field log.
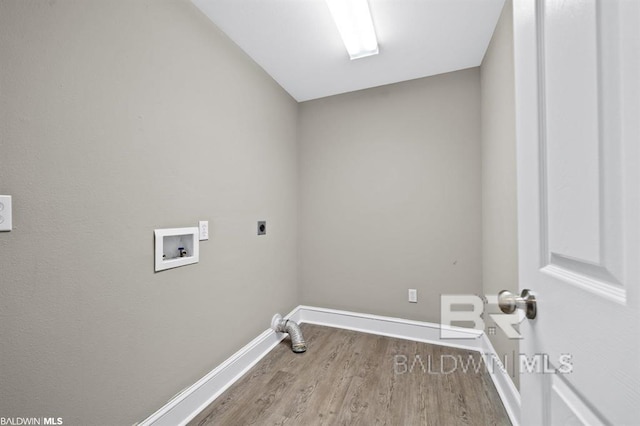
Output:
(203, 225)
(5, 213)
(413, 295)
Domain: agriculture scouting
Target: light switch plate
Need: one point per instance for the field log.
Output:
(5, 213)
(204, 230)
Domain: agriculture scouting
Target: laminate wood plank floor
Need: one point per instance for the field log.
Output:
(352, 378)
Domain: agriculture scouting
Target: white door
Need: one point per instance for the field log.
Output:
(577, 68)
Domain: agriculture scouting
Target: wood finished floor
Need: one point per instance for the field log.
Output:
(351, 378)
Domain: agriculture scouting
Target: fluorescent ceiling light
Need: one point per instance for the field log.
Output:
(355, 25)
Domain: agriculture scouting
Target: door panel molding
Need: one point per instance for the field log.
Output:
(581, 226)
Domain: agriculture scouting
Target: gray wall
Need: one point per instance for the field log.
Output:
(119, 117)
(390, 196)
(499, 203)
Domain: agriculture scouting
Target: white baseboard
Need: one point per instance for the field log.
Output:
(192, 400)
(507, 390)
(188, 403)
(457, 337)
(427, 332)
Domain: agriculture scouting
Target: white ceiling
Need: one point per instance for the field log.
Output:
(298, 44)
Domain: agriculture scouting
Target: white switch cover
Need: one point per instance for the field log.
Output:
(5, 213)
(413, 295)
(204, 230)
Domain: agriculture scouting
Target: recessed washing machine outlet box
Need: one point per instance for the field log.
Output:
(6, 217)
(176, 247)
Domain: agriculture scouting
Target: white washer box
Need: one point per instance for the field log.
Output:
(176, 247)
(5, 213)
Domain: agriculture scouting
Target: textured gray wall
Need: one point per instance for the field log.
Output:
(390, 196)
(119, 117)
(499, 201)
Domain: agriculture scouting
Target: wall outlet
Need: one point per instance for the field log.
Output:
(262, 227)
(204, 230)
(413, 295)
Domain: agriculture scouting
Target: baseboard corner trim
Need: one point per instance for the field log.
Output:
(183, 407)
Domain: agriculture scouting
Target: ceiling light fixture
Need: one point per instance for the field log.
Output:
(354, 22)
